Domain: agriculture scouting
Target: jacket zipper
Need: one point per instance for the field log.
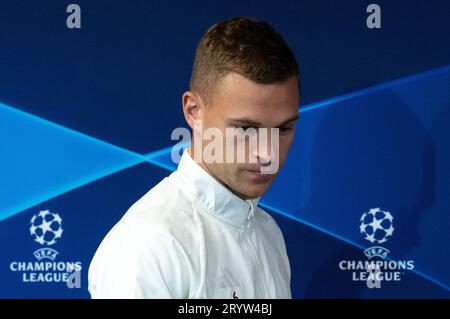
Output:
(258, 265)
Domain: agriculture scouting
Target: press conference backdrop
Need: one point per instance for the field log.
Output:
(86, 116)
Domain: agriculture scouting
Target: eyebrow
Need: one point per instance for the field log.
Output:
(250, 122)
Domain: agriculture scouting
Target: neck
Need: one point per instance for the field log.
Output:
(207, 170)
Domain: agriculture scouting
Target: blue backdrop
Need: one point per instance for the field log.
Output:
(86, 116)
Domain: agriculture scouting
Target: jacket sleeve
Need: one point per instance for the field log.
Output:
(133, 262)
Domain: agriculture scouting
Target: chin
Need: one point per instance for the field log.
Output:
(257, 192)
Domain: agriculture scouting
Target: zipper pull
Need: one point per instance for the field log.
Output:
(251, 213)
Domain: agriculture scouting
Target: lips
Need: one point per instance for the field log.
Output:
(257, 170)
(253, 168)
(257, 176)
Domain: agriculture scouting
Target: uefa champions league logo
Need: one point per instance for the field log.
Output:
(377, 227)
(46, 229)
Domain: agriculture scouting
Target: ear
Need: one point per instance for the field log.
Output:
(191, 107)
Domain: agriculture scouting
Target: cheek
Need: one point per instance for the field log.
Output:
(233, 172)
(228, 171)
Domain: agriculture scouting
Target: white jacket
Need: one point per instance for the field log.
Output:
(190, 237)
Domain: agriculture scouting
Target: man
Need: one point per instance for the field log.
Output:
(199, 233)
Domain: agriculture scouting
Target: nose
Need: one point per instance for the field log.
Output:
(267, 150)
(264, 157)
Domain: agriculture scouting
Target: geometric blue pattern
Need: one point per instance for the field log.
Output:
(32, 149)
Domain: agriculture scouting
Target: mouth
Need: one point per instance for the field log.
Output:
(257, 176)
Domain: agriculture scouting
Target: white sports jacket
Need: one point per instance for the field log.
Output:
(190, 237)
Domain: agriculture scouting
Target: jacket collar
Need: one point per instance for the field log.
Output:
(202, 188)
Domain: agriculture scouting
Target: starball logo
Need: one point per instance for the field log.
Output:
(46, 228)
(377, 227)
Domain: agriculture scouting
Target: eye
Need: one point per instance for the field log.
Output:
(285, 130)
(245, 128)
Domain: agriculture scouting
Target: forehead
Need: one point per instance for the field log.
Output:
(239, 96)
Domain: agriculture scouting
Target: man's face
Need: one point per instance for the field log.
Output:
(238, 102)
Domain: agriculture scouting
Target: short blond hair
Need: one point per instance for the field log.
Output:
(245, 46)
